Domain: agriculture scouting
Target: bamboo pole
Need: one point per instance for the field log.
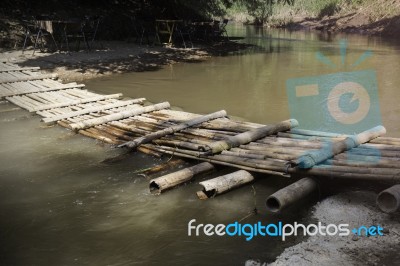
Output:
(26, 78)
(19, 69)
(41, 89)
(291, 194)
(332, 171)
(52, 119)
(389, 199)
(169, 181)
(225, 183)
(312, 158)
(171, 130)
(248, 136)
(118, 116)
(79, 101)
(313, 133)
(194, 155)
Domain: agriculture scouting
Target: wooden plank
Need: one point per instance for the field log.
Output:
(49, 120)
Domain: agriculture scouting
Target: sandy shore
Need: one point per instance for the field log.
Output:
(115, 57)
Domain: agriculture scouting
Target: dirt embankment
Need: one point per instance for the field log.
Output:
(374, 17)
(351, 23)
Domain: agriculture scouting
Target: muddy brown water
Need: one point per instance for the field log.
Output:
(60, 205)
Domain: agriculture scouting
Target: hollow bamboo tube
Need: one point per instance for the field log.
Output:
(225, 183)
(170, 130)
(165, 182)
(389, 199)
(289, 195)
(312, 158)
(118, 116)
(248, 136)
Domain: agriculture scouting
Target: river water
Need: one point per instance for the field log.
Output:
(61, 205)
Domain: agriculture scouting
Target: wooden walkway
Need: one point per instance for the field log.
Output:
(278, 149)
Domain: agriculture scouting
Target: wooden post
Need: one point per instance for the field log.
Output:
(222, 184)
(165, 182)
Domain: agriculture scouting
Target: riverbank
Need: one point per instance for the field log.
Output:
(356, 209)
(369, 17)
(116, 57)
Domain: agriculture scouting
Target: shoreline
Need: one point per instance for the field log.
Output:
(354, 23)
(119, 57)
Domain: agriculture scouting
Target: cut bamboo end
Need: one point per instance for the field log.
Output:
(389, 200)
(169, 181)
(225, 183)
(291, 194)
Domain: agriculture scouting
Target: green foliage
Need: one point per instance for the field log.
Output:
(329, 9)
(262, 9)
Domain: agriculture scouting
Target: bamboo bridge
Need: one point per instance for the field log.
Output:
(278, 149)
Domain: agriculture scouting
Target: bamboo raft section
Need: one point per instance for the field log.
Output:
(279, 149)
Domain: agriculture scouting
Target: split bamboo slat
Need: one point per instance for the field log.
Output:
(12, 78)
(52, 119)
(117, 116)
(9, 90)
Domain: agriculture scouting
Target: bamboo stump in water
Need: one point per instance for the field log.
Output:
(165, 182)
(225, 183)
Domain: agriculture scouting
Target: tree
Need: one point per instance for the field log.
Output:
(262, 9)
